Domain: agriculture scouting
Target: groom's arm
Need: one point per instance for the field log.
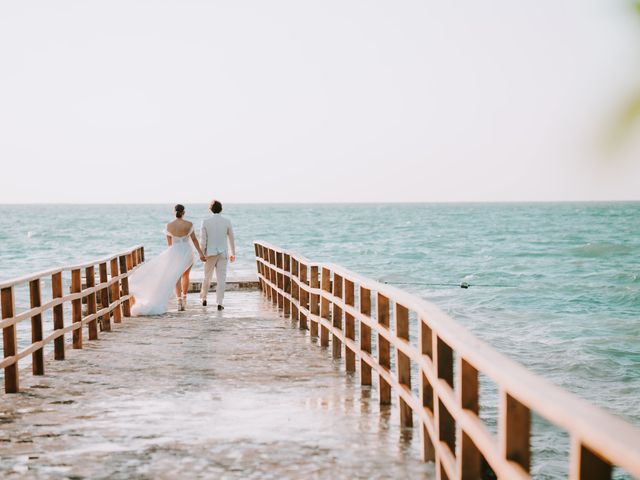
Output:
(203, 238)
(232, 243)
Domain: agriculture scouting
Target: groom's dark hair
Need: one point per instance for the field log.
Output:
(215, 206)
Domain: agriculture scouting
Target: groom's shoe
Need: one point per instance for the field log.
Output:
(204, 303)
(220, 307)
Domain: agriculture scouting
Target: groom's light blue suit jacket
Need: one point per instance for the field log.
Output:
(216, 236)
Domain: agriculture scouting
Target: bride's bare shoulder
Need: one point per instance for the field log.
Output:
(170, 226)
(179, 227)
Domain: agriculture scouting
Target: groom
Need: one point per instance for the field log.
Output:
(215, 234)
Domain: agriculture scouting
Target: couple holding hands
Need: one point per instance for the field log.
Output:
(152, 283)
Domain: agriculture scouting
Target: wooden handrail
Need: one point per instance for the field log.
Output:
(115, 301)
(319, 296)
(47, 273)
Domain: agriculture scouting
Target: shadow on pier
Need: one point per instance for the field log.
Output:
(202, 393)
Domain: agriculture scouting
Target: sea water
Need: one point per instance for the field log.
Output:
(555, 286)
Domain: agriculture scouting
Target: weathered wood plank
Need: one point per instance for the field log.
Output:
(325, 311)
(76, 307)
(58, 316)
(35, 300)
(124, 268)
(365, 335)
(314, 301)
(384, 348)
(403, 363)
(336, 317)
(115, 291)
(105, 321)
(515, 431)
(349, 325)
(9, 342)
(92, 327)
(469, 458)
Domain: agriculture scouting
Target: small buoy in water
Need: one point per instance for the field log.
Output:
(464, 285)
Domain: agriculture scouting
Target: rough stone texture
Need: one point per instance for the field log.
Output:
(195, 285)
(202, 394)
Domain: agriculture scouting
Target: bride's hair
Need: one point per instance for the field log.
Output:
(179, 209)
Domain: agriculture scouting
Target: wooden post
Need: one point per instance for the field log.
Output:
(586, 464)
(273, 277)
(384, 349)
(336, 316)
(426, 390)
(58, 316)
(349, 325)
(258, 248)
(444, 367)
(403, 364)
(269, 276)
(365, 335)
(272, 290)
(130, 267)
(286, 283)
(104, 298)
(115, 292)
(141, 254)
(35, 298)
(265, 271)
(469, 459)
(324, 306)
(295, 290)
(90, 276)
(271, 294)
(9, 342)
(314, 303)
(279, 281)
(515, 430)
(126, 305)
(304, 295)
(76, 307)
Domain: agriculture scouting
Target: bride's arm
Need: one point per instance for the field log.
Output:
(166, 231)
(194, 239)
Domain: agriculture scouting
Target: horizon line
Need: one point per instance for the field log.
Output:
(387, 202)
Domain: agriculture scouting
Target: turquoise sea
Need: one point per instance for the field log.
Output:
(555, 286)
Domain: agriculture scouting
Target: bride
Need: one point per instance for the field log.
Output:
(152, 282)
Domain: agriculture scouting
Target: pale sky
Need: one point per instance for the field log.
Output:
(312, 101)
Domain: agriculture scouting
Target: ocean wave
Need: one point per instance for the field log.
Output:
(601, 249)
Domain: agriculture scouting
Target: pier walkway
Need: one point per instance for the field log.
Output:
(391, 387)
(202, 393)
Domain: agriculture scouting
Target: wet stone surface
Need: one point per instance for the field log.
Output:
(202, 394)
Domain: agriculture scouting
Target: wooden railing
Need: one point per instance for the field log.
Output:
(345, 309)
(111, 293)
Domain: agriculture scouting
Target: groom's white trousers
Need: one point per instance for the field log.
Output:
(219, 264)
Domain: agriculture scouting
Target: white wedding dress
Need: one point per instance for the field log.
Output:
(153, 283)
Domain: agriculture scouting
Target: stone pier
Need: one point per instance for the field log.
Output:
(203, 394)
